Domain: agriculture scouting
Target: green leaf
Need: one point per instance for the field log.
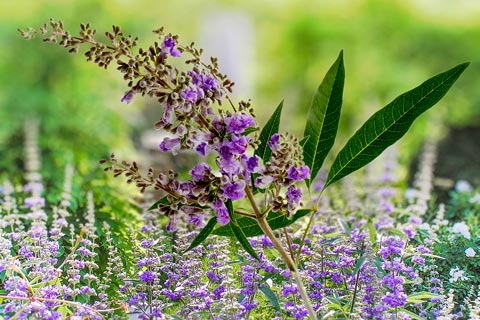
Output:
(359, 264)
(203, 234)
(373, 234)
(389, 124)
(422, 297)
(163, 200)
(250, 226)
(323, 117)
(410, 314)
(270, 295)
(271, 127)
(238, 233)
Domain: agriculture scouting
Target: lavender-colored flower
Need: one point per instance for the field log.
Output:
(200, 172)
(148, 276)
(128, 96)
(168, 45)
(168, 144)
(235, 190)
(172, 224)
(251, 164)
(197, 220)
(298, 174)
(238, 144)
(238, 123)
(273, 143)
(263, 181)
(222, 212)
(395, 299)
(190, 94)
(209, 83)
(418, 260)
(32, 202)
(294, 195)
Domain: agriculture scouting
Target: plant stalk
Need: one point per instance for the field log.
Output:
(262, 222)
(267, 230)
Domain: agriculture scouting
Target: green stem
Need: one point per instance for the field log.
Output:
(267, 230)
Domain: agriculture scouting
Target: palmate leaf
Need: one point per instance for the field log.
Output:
(389, 124)
(250, 227)
(271, 127)
(323, 117)
(237, 232)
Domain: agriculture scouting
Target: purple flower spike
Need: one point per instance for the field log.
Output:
(222, 212)
(128, 96)
(234, 191)
(299, 174)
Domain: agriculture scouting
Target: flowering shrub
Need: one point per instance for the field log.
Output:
(372, 262)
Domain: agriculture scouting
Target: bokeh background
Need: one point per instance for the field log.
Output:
(274, 50)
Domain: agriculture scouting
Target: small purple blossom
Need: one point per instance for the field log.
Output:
(168, 144)
(273, 143)
(298, 174)
(238, 123)
(294, 195)
(222, 212)
(128, 96)
(168, 45)
(234, 191)
(148, 276)
(200, 172)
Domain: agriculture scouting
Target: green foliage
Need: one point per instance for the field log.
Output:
(250, 227)
(237, 231)
(204, 233)
(323, 117)
(389, 124)
(270, 128)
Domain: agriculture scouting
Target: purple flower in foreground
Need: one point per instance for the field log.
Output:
(148, 276)
(168, 144)
(238, 123)
(298, 174)
(190, 94)
(250, 164)
(273, 143)
(234, 191)
(128, 96)
(222, 212)
(168, 45)
(294, 195)
(200, 172)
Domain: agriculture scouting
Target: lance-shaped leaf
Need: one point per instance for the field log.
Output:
(389, 124)
(323, 117)
(204, 233)
(271, 127)
(238, 232)
(250, 226)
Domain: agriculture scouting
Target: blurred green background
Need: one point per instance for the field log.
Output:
(275, 50)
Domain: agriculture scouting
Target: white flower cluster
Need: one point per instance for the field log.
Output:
(462, 228)
(457, 274)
